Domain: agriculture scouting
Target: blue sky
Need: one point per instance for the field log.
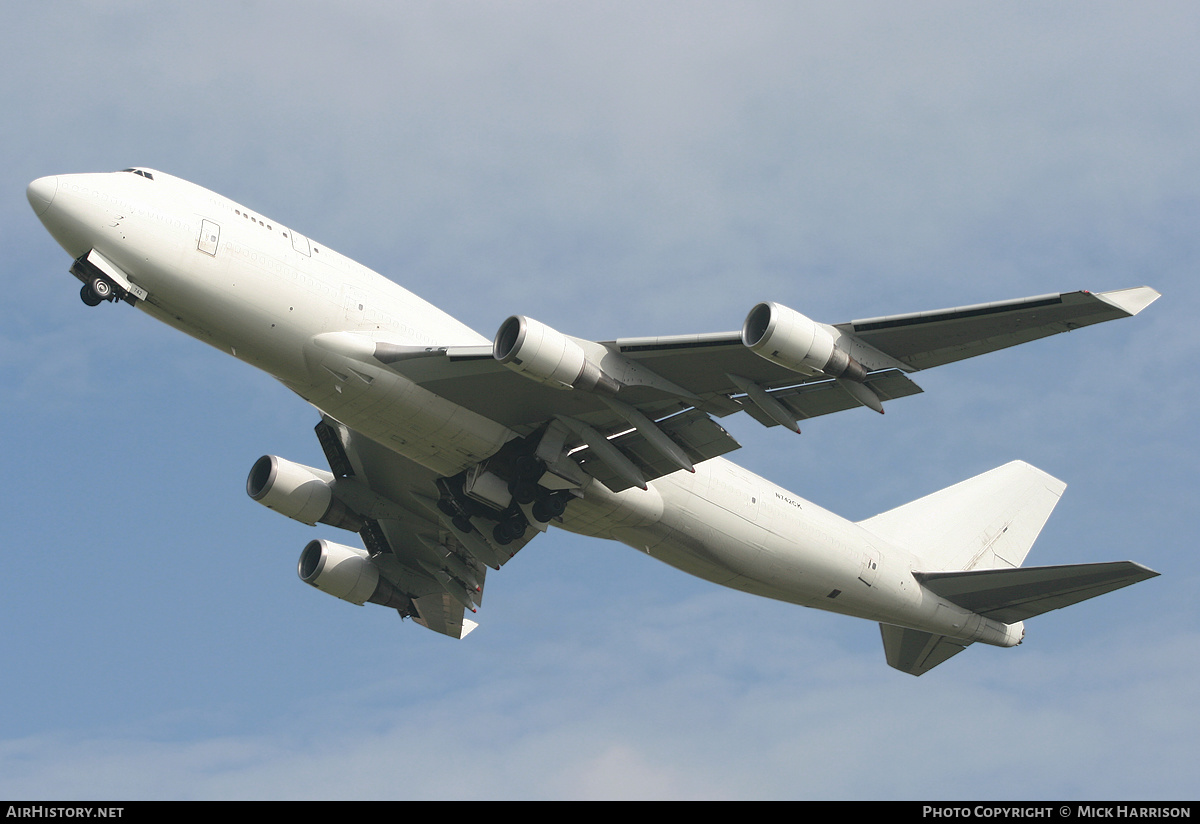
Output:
(610, 169)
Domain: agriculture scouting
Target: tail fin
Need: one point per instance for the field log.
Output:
(987, 522)
(974, 536)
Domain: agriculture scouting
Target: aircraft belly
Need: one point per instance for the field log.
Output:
(726, 525)
(397, 413)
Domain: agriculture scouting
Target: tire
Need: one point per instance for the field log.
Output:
(524, 492)
(549, 508)
(515, 527)
(528, 468)
(89, 296)
(102, 289)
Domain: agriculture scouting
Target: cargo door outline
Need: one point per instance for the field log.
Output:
(210, 236)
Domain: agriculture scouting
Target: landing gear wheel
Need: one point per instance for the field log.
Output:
(509, 530)
(549, 508)
(102, 289)
(88, 295)
(515, 527)
(528, 468)
(524, 492)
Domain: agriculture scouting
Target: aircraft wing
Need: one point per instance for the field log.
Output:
(926, 339)
(638, 408)
(440, 569)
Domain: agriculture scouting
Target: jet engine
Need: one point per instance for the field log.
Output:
(347, 573)
(300, 492)
(546, 355)
(794, 341)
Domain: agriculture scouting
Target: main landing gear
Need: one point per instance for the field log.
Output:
(503, 492)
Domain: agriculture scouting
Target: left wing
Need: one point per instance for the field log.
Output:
(634, 409)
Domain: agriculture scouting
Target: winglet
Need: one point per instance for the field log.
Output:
(1130, 301)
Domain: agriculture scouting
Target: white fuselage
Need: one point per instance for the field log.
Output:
(276, 299)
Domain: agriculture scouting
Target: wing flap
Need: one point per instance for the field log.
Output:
(701, 363)
(811, 400)
(699, 436)
(441, 613)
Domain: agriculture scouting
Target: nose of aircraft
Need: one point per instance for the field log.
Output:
(41, 192)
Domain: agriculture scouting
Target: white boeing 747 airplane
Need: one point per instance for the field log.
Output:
(448, 452)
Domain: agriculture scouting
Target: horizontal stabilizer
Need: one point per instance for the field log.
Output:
(1011, 595)
(916, 652)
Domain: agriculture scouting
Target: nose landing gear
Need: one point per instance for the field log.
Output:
(104, 281)
(96, 291)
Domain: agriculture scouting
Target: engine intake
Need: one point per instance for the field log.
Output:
(347, 573)
(548, 356)
(300, 492)
(796, 342)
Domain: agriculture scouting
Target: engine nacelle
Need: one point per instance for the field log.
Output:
(347, 573)
(300, 492)
(548, 356)
(794, 341)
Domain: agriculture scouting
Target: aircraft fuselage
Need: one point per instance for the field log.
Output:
(279, 301)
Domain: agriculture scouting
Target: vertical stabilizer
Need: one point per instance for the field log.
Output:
(987, 522)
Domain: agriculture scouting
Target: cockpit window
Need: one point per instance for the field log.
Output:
(146, 175)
